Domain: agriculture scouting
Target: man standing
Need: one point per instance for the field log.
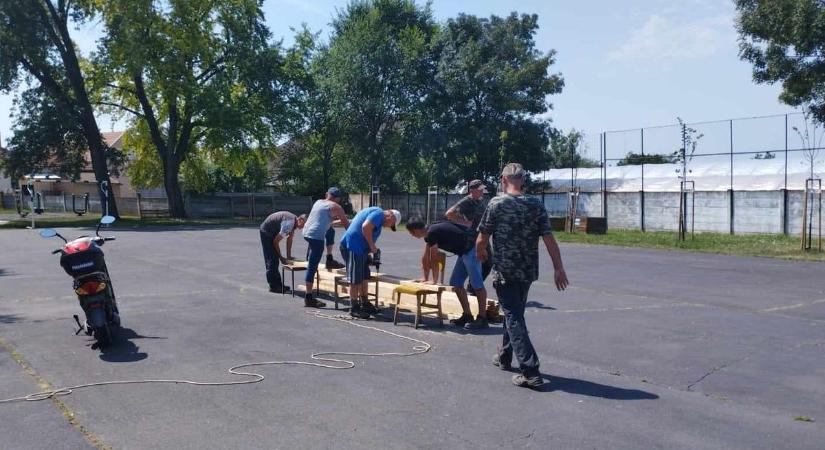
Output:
(274, 229)
(318, 229)
(460, 241)
(357, 245)
(515, 223)
(468, 212)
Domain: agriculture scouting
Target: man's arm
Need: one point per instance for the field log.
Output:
(276, 242)
(339, 215)
(454, 215)
(289, 244)
(366, 230)
(559, 276)
(425, 263)
(481, 246)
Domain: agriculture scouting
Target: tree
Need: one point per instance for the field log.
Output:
(197, 75)
(785, 42)
(492, 83)
(376, 72)
(35, 41)
(634, 159)
(565, 151)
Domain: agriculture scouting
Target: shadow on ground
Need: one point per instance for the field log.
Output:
(122, 349)
(582, 387)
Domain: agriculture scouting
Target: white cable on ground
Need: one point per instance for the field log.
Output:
(421, 347)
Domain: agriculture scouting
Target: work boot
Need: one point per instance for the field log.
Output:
(367, 306)
(479, 324)
(356, 311)
(332, 263)
(310, 302)
(532, 381)
(280, 289)
(463, 320)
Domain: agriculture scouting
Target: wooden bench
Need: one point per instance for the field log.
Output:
(298, 266)
(422, 291)
(342, 281)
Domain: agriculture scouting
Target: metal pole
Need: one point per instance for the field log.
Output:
(642, 197)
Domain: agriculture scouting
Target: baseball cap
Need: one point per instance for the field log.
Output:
(397, 214)
(335, 192)
(476, 184)
(513, 170)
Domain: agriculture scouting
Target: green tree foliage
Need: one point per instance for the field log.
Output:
(194, 74)
(633, 159)
(565, 151)
(376, 70)
(36, 47)
(785, 42)
(491, 82)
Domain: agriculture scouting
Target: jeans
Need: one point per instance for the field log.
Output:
(316, 251)
(467, 265)
(271, 260)
(512, 296)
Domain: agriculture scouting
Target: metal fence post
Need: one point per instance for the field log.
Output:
(732, 210)
(642, 197)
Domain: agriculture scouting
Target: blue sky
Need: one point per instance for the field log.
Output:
(626, 64)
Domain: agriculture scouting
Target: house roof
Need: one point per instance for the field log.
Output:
(113, 139)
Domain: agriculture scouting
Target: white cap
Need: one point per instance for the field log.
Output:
(397, 214)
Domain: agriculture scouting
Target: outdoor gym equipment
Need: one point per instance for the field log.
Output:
(432, 204)
(85, 209)
(687, 204)
(375, 196)
(812, 206)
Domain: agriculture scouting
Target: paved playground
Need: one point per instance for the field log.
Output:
(647, 349)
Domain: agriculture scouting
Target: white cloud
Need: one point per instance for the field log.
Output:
(666, 39)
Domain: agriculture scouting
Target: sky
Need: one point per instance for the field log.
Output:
(628, 64)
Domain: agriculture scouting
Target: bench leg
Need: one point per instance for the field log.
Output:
(283, 278)
(293, 283)
(335, 293)
(397, 297)
(440, 316)
(417, 309)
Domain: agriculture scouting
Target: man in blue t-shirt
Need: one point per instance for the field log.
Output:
(357, 244)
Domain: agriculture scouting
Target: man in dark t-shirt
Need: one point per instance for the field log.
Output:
(460, 241)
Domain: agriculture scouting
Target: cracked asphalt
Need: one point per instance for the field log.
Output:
(647, 349)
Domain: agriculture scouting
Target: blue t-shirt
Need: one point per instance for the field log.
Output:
(354, 239)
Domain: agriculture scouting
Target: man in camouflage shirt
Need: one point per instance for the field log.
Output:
(468, 211)
(515, 222)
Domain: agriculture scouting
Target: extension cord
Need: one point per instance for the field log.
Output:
(422, 347)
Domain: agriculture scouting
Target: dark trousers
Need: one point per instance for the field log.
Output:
(271, 261)
(512, 296)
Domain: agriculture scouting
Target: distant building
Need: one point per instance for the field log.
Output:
(86, 182)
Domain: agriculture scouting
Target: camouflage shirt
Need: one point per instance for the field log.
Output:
(471, 210)
(515, 224)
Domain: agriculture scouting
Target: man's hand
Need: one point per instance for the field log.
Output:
(560, 277)
(284, 261)
(481, 254)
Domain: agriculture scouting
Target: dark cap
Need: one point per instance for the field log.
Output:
(335, 192)
(475, 184)
(513, 170)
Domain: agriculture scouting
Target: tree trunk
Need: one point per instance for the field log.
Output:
(174, 195)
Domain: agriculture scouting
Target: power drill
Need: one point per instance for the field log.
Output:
(375, 260)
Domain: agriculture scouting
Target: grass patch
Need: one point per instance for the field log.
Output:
(123, 222)
(804, 419)
(767, 245)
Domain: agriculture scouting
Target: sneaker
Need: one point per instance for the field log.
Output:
(478, 324)
(310, 302)
(528, 381)
(461, 321)
(503, 364)
(357, 312)
(333, 264)
(369, 308)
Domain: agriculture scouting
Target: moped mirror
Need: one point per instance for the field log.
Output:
(106, 220)
(48, 233)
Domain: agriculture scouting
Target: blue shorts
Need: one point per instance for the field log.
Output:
(358, 268)
(467, 265)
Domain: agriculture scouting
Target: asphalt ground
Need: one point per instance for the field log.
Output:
(647, 349)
